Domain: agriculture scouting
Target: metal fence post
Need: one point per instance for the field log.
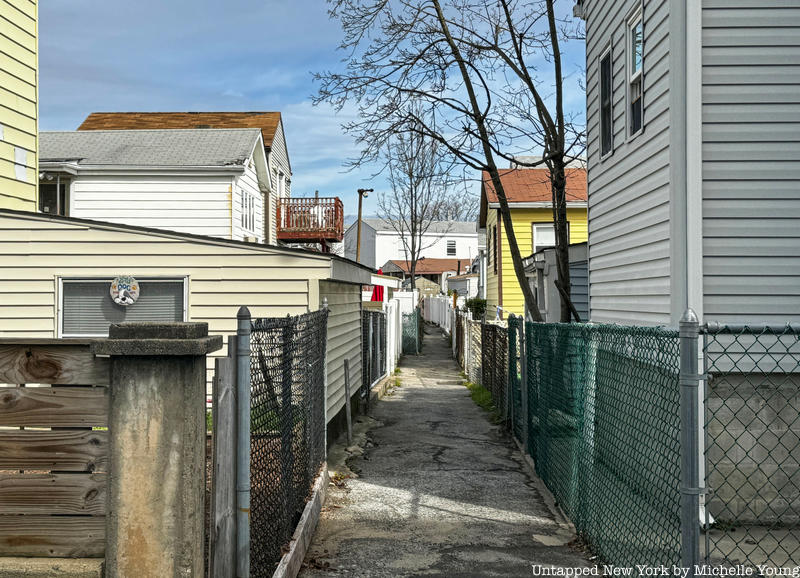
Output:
(243, 443)
(690, 458)
(347, 402)
(523, 352)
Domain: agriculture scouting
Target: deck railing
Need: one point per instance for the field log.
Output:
(312, 219)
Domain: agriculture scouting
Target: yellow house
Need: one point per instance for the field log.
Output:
(19, 92)
(530, 200)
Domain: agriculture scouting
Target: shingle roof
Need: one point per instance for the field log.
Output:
(431, 266)
(162, 148)
(436, 227)
(533, 185)
(266, 121)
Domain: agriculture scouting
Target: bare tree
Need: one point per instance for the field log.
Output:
(476, 70)
(418, 177)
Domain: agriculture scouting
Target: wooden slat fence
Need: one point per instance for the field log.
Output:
(53, 457)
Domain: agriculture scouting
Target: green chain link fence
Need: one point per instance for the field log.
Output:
(604, 432)
(752, 427)
(412, 332)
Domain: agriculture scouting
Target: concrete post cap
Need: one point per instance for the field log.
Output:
(157, 339)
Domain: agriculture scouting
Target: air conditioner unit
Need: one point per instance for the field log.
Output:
(251, 239)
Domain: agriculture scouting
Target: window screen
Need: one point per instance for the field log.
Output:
(87, 308)
(451, 248)
(606, 126)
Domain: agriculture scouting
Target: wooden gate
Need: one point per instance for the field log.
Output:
(53, 448)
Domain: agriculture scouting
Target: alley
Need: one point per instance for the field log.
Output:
(439, 492)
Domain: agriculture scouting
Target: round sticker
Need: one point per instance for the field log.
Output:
(124, 290)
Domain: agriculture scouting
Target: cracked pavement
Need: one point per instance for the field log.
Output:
(437, 490)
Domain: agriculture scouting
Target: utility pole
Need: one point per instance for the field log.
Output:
(362, 193)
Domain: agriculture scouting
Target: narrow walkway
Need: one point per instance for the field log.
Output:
(440, 491)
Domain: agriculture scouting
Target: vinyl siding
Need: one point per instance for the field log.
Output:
(492, 277)
(579, 278)
(523, 219)
(751, 160)
(278, 161)
(344, 341)
(629, 194)
(199, 205)
(35, 251)
(18, 104)
(247, 183)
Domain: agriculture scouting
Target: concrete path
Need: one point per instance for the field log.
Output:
(439, 492)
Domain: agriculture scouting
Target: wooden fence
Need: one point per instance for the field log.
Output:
(53, 448)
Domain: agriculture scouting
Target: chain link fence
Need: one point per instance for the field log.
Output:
(752, 444)
(412, 332)
(287, 408)
(494, 363)
(604, 432)
(373, 350)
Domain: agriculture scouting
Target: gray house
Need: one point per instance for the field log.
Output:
(693, 115)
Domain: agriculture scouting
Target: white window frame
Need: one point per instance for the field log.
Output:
(248, 212)
(633, 77)
(60, 298)
(447, 248)
(543, 224)
(606, 52)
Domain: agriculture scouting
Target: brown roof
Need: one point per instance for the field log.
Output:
(533, 185)
(266, 121)
(432, 266)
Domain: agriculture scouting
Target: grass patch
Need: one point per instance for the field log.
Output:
(483, 399)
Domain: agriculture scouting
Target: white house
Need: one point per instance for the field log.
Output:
(269, 123)
(209, 182)
(380, 242)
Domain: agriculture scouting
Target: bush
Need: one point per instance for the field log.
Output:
(477, 307)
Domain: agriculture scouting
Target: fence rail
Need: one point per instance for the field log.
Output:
(373, 350)
(55, 465)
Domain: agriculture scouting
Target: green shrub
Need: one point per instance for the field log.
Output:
(476, 306)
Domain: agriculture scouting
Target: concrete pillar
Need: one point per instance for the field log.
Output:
(155, 524)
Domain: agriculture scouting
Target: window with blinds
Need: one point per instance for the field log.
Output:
(87, 308)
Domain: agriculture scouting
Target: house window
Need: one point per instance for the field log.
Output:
(53, 198)
(248, 212)
(451, 248)
(606, 116)
(544, 236)
(636, 57)
(87, 309)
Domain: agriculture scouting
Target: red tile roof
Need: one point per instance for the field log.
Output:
(266, 121)
(533, 185)
(432, 266)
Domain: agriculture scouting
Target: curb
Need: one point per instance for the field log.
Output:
(292, 561)
(378, 390)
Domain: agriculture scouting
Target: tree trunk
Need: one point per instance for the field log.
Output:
(558, 183)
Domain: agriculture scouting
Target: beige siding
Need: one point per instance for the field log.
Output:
(35, 251)
(18, 104)
(344, 341)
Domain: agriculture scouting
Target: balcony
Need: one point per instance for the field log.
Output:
(311, 220)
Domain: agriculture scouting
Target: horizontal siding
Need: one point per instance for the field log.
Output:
(629, 194)
(751, 163)
(197, 205)
(34, 252)
(344, 341)
(523, 219)
(247, 183)
(579, 293)
(18, 104)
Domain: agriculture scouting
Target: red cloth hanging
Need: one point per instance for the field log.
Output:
(377, 293)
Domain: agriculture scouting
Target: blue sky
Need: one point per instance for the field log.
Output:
(204, 55)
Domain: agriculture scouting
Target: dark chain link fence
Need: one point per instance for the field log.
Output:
(412, 332)
(287, 410)
(494, 363)
(752, 444)
(603, 429)
(373, 349)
